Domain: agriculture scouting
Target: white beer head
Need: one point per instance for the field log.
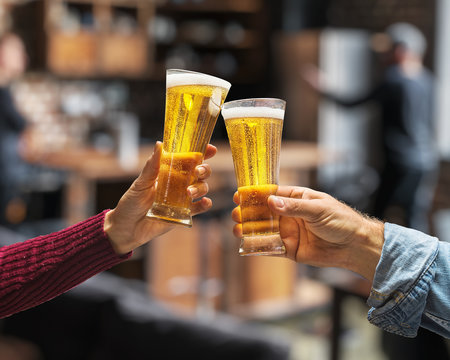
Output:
(185, 77)
(254, 108)
(252, 112)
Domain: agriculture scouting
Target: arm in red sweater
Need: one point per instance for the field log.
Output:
(42, 268)
(39, 269)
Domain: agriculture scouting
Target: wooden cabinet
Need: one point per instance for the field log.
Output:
(98, 37)
(141, 38)
(72, 54)
(125, 55)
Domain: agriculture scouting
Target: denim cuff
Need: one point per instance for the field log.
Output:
(402, 280)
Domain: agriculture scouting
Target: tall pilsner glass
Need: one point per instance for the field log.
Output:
(254, 128)
(193, 102)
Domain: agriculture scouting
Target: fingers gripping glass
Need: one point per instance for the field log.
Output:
(254, 128)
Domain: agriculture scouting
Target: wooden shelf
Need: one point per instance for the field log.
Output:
(81, 2)
(97, 39)
(128, 3)
(250, 40)
(223, 38)
(238, 6)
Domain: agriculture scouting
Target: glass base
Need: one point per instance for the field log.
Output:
(262, 245)
(173, 215)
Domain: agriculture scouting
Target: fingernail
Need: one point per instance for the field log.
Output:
(193, 191)
(279, 202)
(156, 147)
(201, 170)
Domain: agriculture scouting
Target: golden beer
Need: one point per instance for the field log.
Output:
(175, 175)
(193, 103)
(257, 219)
(254, 128)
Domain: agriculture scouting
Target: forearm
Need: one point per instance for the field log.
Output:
(40, 269)
(344, 101)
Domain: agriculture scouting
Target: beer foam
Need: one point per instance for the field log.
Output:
(193, 78)
(252, 112)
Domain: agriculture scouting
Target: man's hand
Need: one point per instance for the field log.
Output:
(319, 230)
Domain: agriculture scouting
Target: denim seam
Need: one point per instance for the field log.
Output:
(397, 295)
(438, 319)
(397, 304)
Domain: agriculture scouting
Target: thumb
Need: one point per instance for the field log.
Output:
(150, 171)
(307, 209)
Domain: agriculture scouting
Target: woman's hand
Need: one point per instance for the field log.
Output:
(128, 227)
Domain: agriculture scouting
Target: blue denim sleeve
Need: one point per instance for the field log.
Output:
(411, 283)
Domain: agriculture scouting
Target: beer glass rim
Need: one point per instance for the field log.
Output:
(260, 102)
(253, 107)
(200, 78)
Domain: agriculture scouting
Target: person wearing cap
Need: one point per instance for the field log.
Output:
(405, 97)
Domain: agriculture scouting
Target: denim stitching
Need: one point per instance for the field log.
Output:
(410, 290)
(440, 321)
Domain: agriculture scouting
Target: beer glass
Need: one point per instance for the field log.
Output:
(193, 102)
(254, 128)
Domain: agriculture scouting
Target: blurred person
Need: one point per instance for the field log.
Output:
(405, 96)
(409, 270)
(39, 269)
(12, 125)
(408, 178)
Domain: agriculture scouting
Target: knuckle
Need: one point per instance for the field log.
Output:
(307, 194)
(297, 194)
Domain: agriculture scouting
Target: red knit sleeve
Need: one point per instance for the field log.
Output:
(42, 268)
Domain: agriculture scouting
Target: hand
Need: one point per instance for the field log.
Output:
(313, 77)
(128, 227)
(319, 230)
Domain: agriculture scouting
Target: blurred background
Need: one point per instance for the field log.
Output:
(86, 97)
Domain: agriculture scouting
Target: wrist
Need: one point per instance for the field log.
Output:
(365, 249)
(109, 228)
